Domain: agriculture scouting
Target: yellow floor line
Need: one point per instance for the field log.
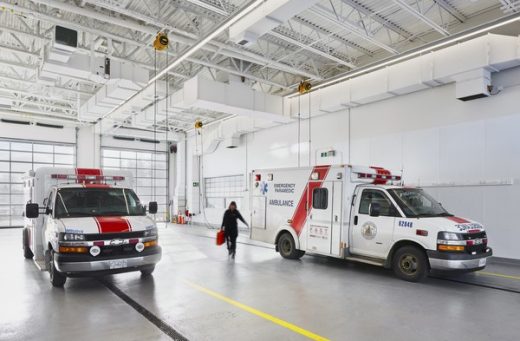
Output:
(259, 313)
(498, 275)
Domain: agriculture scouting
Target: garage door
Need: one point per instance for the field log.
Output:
(18, 157)
(140, 163)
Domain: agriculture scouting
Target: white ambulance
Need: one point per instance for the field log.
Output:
(362, 214)
(85, 222)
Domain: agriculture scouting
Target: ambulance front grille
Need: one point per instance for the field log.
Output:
(108, 236)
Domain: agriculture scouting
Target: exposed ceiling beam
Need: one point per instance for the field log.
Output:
(451, 10)
(32, 82)
(189, 39)
(416, 13)
(244, 10)
(389, 24)
(231, 54)
(325, 14)
(336, 36)
(209, 7)
(311, 49)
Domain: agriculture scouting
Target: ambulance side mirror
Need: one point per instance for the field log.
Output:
(152, 207)
(374, 209)
(32, 211)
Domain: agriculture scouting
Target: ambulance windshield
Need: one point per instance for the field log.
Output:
(415, 202)
(88, 202)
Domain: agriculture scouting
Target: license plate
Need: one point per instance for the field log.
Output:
(482, 262)
(117, 263)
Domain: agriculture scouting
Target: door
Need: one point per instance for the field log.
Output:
(372, 236)
(258, 212)
(320, 223)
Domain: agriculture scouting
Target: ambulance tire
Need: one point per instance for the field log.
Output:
(27, 253)
(287, 247)
(57, 278)
(410, 263)
(147, 271)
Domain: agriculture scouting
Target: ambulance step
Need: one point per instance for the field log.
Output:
(40, 264)
(367, 260)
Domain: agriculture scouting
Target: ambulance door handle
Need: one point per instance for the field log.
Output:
(355, 220)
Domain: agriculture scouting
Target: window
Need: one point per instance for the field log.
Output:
(370, 196)
(18, 157)
(417, 203)
(220, 191)
(320, 198)
(95, 202)
(149, 184)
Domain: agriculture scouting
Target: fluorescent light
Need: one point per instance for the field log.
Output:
(421, 51)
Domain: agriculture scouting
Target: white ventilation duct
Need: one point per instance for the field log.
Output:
(227, 133)
(125, 81)
(233, 98)
(469, 64)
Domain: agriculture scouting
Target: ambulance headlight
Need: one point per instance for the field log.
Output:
(449, 236)
(71, 237)
(150, 232)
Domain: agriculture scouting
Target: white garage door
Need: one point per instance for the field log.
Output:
(18, 157)
(140, 163)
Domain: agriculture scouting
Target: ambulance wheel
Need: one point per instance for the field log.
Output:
(147, 271)
(287, 247)
(410, 264)
(27, 253)
(57, 278)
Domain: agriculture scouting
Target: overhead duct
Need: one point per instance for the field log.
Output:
(125, 80)
(468, 64)
(233, 98)
(267, 16)
(473, 85)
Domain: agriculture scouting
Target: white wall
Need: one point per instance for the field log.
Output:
(88, 147)
(433, 137)
(36, 133)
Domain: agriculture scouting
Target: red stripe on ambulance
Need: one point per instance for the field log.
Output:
(300, 215)
(112, 224)
(458, 220)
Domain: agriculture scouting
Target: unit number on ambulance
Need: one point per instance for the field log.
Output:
(405, 224)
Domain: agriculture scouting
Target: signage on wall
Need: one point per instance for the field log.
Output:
(195, 184)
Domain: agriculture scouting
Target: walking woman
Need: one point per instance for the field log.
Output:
(230, 227)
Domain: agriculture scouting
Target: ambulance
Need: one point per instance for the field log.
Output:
(86, 222)
(362, 214)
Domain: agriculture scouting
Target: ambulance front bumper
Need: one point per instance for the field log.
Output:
(448, 261)
(85, 265)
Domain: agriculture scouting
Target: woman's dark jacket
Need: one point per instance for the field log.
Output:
(230, 222)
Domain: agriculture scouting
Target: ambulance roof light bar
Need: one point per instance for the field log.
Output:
(379, 177)
(81, 177)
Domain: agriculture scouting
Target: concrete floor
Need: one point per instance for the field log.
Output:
(330, 298)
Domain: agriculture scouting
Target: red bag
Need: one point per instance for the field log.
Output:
(221, 239)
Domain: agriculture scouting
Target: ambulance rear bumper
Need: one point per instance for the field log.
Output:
(75, 267)
(448, 261)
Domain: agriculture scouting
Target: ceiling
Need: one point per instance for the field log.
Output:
(329, 38)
